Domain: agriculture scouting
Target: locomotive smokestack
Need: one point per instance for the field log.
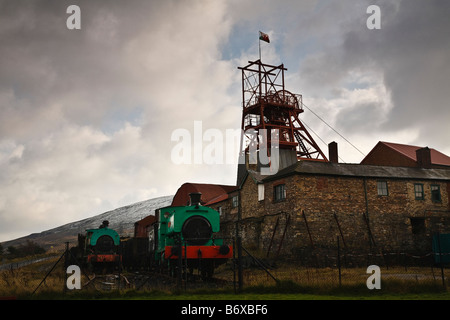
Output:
(104, 224)
(195, 198)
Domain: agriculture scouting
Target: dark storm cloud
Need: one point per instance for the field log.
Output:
(49, 71)
(411, 51)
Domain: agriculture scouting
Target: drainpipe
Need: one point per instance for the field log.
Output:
(366, 215)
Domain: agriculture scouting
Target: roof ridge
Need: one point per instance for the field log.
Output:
(390, 145)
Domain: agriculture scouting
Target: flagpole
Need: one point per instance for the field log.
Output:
(259, 41)
(263, 37)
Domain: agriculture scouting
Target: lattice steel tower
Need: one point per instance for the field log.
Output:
(268, 105)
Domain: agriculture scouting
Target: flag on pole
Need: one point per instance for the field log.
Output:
(264, 37)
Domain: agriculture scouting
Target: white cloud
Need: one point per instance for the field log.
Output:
(74, 173)
(86, 118)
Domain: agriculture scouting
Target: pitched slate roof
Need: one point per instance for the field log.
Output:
(360, 170)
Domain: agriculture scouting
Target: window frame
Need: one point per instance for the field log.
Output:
(422, 192)
(279, 192)
(261, 192)
(433, 198)
(378, 188)
(235, 201)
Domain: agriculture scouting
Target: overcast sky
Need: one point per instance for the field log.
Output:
(86, 116)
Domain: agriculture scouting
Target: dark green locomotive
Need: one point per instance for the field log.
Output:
(98, 249)
(186, 236)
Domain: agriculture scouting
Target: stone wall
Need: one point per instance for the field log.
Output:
(320, 209)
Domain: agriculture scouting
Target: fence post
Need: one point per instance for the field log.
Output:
(339, 261)
(66, 264)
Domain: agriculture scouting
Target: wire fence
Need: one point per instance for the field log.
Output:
(336, 275)
(318, 269)
(335, 267)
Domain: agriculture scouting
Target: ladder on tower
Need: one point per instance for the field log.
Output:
(302, 145)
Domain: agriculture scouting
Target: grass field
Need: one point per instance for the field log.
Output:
(249, 294)
(295, 283)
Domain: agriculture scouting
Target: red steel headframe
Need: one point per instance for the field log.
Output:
(268, 105)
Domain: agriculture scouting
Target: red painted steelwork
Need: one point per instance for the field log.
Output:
(103, 258)
(196, 252)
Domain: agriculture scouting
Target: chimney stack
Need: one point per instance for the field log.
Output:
(423, 157)
(333, 152)
(195, 198)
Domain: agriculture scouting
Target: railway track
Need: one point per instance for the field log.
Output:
(150, 280)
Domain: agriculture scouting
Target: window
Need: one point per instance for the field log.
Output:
(418, 225)
(382, 188)
(235, 201)
(279, 192)
(418, 191)
(219, 210)
(435, 193)
(260, 192)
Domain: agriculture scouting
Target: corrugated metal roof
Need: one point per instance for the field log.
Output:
(410, 152)
(210, 193)
(360, 170)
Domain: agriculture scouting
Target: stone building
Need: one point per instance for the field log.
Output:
(304, 209)
(309, 205)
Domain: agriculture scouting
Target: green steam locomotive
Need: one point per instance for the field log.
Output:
(185, 237)
(98, 249)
